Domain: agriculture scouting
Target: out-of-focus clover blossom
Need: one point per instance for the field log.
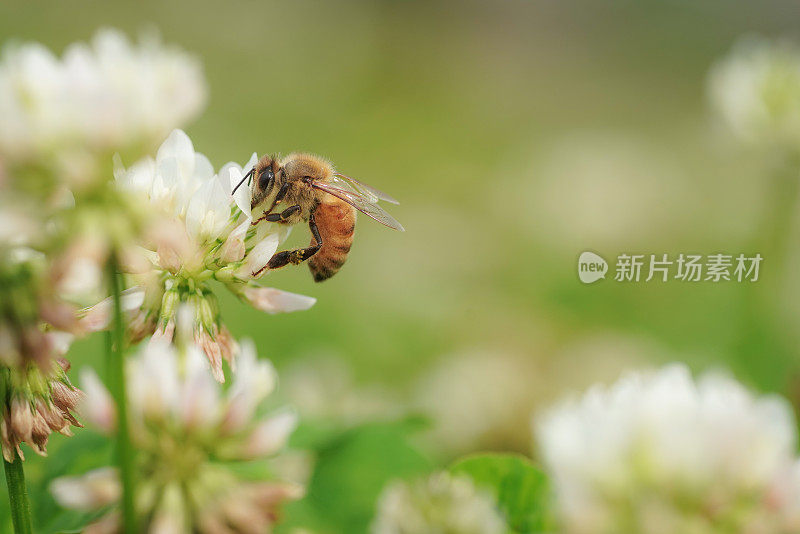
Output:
(206, 235)
(63, 120)
(34, 322)
(36, 402)
(109, 96)
(480, 400)
(185, 429)
(756, 90)
(661, 452)
(36, 329)
(439, 503)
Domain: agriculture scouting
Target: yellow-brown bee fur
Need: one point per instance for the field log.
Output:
(337, 224)
(334, 218)
(303, 187)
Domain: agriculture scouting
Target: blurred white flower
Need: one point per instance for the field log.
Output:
(104, 97)
(33, 319)
(89, 492)
(185, 428)
(603, 190)
(480, 399)
(205, 234)
(323, 387)
(756, 91)
(662, 452)
(440, 503)
(174, 389)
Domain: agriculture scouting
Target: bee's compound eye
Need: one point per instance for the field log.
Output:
(265, 180)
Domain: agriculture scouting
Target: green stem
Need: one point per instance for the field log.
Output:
(759, 335)
(18, 496)
(115, 351)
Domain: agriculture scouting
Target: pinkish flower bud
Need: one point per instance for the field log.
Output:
(21, 418)
(39, 434)
(89, 492)
(272, 300)
(66, 397)
(233, 249)
(97, 406)
(51, 414)
(98, 317)
(212, 350)
(270, 435)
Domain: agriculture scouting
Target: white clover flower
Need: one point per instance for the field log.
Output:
(206, 233)
(597, 189)
(480, 399)
(185, 428)
(662, 452)
(323, 387)
(756, 90)
(99, 98)
(440, 503)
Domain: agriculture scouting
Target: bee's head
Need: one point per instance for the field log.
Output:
(305, 167)
(266, 173)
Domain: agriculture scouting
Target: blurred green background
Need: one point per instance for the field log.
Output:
(516, 134)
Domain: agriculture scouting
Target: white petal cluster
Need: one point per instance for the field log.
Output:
(106, 96)
(440, 503)
(185, 428)
(661, 452)
(167, 389)
(182, 183)
(479, 400)
(206, 233)
(213, 229)
(756, 90)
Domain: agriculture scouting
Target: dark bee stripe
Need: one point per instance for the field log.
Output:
(322, 274)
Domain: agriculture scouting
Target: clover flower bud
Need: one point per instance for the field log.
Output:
(36, 403)
(169, 304)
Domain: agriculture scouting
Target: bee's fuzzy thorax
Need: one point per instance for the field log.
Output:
(300, 164)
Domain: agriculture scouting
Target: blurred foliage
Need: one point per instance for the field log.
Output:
(460, 109)
(350, 469)
(522, 491)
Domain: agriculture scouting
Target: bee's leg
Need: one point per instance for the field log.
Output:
(280, 259)
(282, 216)
(281, 193)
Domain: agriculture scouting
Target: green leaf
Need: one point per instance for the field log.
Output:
(522, 490)
(351, 470)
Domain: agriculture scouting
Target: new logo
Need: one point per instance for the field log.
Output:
(591, 267)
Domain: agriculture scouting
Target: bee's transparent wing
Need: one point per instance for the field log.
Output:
(367, 191)
(363, 203)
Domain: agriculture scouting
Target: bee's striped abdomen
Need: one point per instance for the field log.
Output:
(336, 221)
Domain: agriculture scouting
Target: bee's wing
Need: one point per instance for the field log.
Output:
(345, 182)
(364, 204)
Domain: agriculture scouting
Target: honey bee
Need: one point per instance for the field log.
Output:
(312, 191)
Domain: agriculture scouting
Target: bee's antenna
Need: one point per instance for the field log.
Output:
(246, 177)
